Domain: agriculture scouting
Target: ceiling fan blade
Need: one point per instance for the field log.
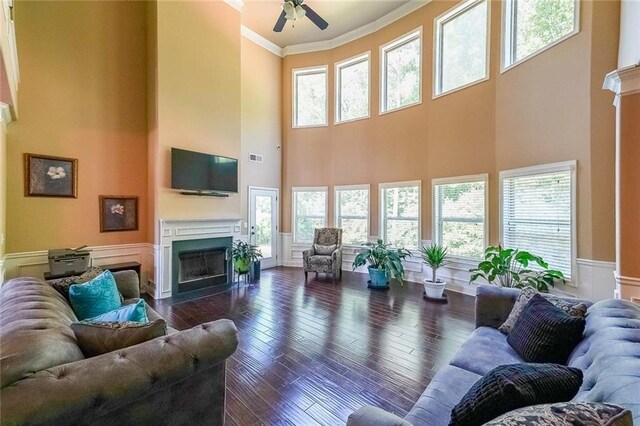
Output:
(315, 18)
(280, 22)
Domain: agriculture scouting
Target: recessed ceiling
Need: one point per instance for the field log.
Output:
(343, 16)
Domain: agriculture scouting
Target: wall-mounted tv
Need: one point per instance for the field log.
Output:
(200, 172)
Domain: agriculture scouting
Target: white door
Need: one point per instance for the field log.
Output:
(263, 223)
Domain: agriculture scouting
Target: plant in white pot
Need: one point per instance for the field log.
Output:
(435, 256)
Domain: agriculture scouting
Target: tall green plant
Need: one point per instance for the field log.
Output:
(435, 256)
(510, 268)
(246, 252)
(380, 256)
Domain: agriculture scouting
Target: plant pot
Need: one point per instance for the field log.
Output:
(378, 278)
(241, 266)
(255, 271)
(434, 290)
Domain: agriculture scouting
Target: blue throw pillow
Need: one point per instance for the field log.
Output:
(136, 312)
(95, 297)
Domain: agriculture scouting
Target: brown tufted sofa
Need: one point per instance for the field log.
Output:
(177, 379)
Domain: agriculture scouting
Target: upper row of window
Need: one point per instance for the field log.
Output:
(461, 46)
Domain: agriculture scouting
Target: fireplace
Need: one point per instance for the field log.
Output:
(201, 267)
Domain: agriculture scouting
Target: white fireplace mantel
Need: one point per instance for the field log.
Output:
(185, 229)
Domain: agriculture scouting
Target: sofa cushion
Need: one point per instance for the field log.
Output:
(566, 413)
(35, 327)
(135, 312)
(545, 333)
(102, 337)
(63, 284)
(484, 350)
(96, 297)
(508, 387)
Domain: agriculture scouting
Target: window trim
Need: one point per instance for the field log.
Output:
(294, 216)
(366, 56)
(438, 23)
(395, 43)
(563, 166)
(461, 179)
(336, 206)
(507, 39)
(381, 209)
(294, 95)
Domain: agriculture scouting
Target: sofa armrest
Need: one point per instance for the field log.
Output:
(374, 416)
(494, 304)
(128, 284)
(97, 386)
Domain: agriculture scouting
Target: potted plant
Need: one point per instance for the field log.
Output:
(435, 256)
(384, 263)
(243, 254)
(510, 268)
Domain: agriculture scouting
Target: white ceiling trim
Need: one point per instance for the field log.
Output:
(365, 30)
(236, 4)
(249, 34)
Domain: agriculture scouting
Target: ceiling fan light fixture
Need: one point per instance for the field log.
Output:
(300, 12)
(289, 9)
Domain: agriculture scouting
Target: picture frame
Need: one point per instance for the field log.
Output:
(50, 176)
(118, 213)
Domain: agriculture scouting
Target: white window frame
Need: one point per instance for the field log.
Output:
(461, 179)
(564, 166)
(366, 56)
(381, 206)
(507, 41)
(336, 208)
(438, 24)
(294, 94)
(294, 216)
(384, 49)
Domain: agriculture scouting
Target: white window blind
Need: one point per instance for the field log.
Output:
(537, 215)
(309, 212)
(352, 214)
(460, 216)
(400, 206)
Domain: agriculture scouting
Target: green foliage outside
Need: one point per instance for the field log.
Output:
(541, 22)
(403, 75)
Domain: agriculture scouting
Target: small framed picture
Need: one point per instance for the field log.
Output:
(48, 176)
(118, 213)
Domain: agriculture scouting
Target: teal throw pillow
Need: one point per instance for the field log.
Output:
(136, 312)
(95, 297)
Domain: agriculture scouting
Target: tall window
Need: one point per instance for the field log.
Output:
(460, 214)
(310, 97)
(538, 212)
(400, 214)
(530, 26)
(352, 88)
(401, 74)
(461, 46)
(352, 213)
(309, 212)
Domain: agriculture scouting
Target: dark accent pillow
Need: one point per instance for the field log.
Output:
(545, 333)
(509, 387)
(575, 309)
(96, 338)
(62, 284)
(567, 413)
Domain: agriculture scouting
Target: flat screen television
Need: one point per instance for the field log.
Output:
(200, 172)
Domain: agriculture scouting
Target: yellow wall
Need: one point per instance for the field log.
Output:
(538, 112)
(3, 189)
(82, 95)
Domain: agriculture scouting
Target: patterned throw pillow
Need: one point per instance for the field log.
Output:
(63, 284)
(324, 250)
(566, 413)
(575, 309)
(102, 337)
(136, 312)
(95, 297)
(509, 387)
(545, 333)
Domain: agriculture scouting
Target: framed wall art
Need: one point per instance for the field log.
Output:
(118, 213)
(49, 176)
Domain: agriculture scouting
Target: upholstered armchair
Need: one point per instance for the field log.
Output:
(325, 256)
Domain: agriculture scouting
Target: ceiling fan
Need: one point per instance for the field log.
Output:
(293, 10)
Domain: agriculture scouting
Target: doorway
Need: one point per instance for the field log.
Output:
(263, 223)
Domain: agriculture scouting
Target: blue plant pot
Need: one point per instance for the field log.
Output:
(378, 278)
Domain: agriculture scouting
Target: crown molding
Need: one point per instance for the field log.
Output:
(365, 30)
(249, 34)
(623, 81)
(5, 113)
(236, 4)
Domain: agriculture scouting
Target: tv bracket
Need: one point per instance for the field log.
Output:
(205, 193)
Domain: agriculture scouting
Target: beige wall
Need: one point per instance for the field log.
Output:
(541, 111)
(261, 94)
(82, 95)
(3, 190)
(629, 33)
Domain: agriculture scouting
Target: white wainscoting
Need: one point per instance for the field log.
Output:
(627, 288)
(36, 263)
(2, 270)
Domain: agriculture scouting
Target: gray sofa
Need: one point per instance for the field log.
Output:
(609, 356)
(177, 379)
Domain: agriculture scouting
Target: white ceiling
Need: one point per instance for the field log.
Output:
(343, 16)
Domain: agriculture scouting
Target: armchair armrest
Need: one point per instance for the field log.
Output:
(98, 386)
(128, 284)
(373, 416)
(494, 304)
(308, 252)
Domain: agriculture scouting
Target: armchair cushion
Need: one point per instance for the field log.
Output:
(320, 260)
(324, 250)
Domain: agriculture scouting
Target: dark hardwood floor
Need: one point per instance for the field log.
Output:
(313, 353)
